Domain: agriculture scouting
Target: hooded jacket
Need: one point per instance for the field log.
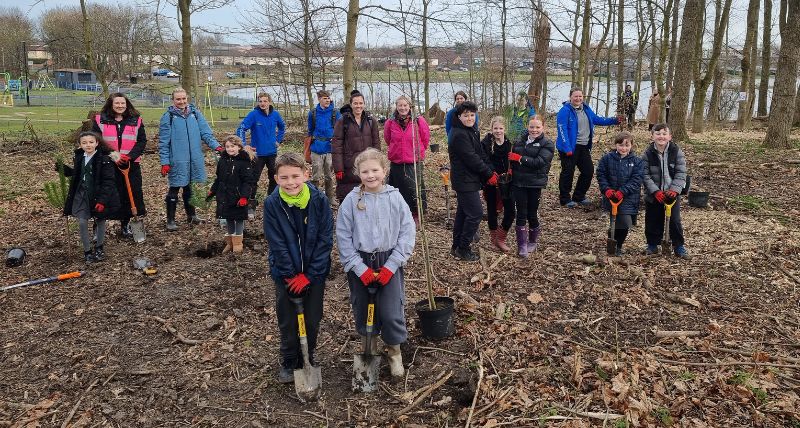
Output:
(470, 166)
(350, 139)
(400, 142)
(289, 257)
(262, 127)
(234, 181)
(531, 171)
(384, 225)
(623, 174)
(104, 188)
(321, 129)
(567, 122)
(656, 178)
(179, 146)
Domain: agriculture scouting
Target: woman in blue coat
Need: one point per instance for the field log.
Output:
(181, 130)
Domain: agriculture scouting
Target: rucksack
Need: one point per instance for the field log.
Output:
(314, 118)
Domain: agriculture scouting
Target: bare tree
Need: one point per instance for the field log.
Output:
(766, 53)
(687, 52)
(353, 9)
(748, 67)
(15, 28)
(702, 82)
(541, 34)
(673, 44)
(785, 89)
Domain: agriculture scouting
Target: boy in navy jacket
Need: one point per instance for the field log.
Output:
(298, 225)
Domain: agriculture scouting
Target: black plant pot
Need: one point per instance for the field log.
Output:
(437, 323)
(698, 199)
(435, 148)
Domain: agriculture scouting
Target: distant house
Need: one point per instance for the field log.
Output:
(75, 78)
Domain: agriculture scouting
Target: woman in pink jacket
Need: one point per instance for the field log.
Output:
(407, 143)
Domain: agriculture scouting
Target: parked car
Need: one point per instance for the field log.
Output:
(232, 75)
(173, 74)
(160, 72)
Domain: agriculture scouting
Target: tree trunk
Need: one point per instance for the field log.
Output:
(426, 56)
(187, 70)
(796, 121)
(687, 52)
(575, 80)
(90, 59)
(766, 52)
(673, 44)
(701, 84)
(716, 92)
(620, 47)
(583, 54)
(662, 58)
(539, 73)
(504, 64)
(743, 118)
(784, 91)
(350, 46)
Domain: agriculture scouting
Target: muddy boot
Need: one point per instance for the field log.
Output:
(228, 244)
(533, 238)
(502, 234)
(191, 213)
(172, 206)
(88, 257)
(522, 241)
(395, 360)
(236, 243)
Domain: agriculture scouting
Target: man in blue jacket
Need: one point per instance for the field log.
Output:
(262, 123)
(320, 128)
(575, 122)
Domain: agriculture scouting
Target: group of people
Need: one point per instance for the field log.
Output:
(378, 196)
(629, 100)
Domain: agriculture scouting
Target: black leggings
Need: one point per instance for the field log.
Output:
(527, 199)
(172, 194)
(492, 193)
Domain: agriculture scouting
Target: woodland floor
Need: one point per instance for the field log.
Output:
(549, 341)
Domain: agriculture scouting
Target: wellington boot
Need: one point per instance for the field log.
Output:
(228, 244)
(395, 360)
(501, 240)
(172, 206)
(533, 238)
(522, 241)
(236, 244)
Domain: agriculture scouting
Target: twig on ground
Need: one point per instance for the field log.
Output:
(748, 352)
(681, 299)
(727, 363)
(477, 389)
(592, 415)
(677, 333)
(180, 337)
(425, 394)
(78, 403)
(431, 348)
(226, 409)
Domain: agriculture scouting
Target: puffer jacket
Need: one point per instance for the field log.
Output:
(103, 184)
(498, 153)
(623, 174)
(567, 123)
(470, 166)
(350, 139)
(312, 256)
(385, 225)
(531, 171)
(400, 141)
(234, 181)
(321, 129)
(262, 126)
(655, 178)
(179, 146)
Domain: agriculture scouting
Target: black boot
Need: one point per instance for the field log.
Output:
(99, 254)
(125, 230)
(88, 257)
(172, 206)
(466, 254)
(191, 213)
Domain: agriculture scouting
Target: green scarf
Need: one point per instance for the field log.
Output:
(300, 200)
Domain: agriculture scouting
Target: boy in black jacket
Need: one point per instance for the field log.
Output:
(298, 225)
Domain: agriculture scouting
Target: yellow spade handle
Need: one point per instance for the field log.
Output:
(301, 325)
(370, 314)
(668, 208)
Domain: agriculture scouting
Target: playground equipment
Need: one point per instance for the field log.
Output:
(6, 98)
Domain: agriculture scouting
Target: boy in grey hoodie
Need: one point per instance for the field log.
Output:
(375, 233)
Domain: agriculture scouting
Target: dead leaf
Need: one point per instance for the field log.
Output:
(535, 298)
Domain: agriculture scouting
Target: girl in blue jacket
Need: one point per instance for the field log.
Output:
(266, 128)
(375, 234)
(619, 175)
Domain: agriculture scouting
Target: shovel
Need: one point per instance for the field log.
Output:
(611, 243)
(135, 224)
(366, 366)
(666, 246)
(444, 171)
(307, 381)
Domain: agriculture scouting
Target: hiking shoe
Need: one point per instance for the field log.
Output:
(619, 252)
(585, 202)
(125, 232)
(680, 251)
(453, 251)
(88, 257)
(285, 375)
(466, 254)
(99, 254)
(571, 204)
(651, 249)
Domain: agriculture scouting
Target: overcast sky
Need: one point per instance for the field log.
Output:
(382, 34)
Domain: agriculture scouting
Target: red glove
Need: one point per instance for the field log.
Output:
(609, 193)
(99, 207)
(123, 159)
(671, 195)
(492, 180)
(165, 170)
(298, 283)
(242, 202)
(220, 149)
(368, 277)
(660, 196)
(384, 276)
(340, 175)
(569, 154)
(514, 157)
(618, 195)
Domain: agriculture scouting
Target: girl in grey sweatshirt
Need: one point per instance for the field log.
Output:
(375, 233)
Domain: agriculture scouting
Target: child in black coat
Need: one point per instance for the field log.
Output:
(232, 187)
(92, 192)
(498, 198)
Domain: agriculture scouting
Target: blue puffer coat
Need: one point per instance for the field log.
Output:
(179, 145)
(623, 174)
(262, 130)
(322, 128)
(313, 256)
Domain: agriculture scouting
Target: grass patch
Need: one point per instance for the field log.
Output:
(687, 375)
(663, 416)
(739, 378)
(748, 202)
